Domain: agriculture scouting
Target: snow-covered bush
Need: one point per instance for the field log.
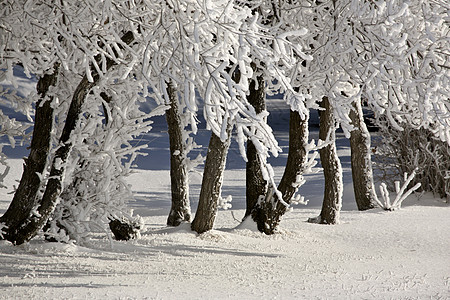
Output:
(95, 190)
(400, 152)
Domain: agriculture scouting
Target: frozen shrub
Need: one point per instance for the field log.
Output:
(400, 152)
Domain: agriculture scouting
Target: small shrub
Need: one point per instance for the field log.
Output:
(414, 150)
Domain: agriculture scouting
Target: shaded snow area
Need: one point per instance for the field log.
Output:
(371, 255)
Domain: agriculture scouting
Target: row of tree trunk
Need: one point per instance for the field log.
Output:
(29, 212)
(263, 205)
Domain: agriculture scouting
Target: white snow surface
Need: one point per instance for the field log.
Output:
(371, 255)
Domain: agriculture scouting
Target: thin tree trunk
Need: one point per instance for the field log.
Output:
(362, 175)
(267, 215)
(25, 198)
(211, 183)
(332, 198)
(256, 186)
(181, 209)
(31, 226)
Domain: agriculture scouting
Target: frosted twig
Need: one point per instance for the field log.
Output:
(401, 192)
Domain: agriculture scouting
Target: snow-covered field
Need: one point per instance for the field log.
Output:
(371, 255)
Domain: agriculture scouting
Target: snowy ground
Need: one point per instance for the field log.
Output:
(371, 255)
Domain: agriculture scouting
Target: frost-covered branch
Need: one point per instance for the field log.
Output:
(402, 192)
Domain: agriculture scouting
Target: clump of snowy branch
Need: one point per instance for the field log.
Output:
(95, 187)
(1, 230)
(312, 154)
(402, 192)
(225, 203)
(10, 128)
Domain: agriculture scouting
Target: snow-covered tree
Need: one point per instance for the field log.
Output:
(359, 50)
(247, 55)
(25, 196)
(267, 203)
(332, 198)
(85, 45)
(415, 106)
(96, 60)
(408, 80)
(107, 48)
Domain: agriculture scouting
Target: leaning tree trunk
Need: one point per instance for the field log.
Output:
(181, 209)
(211, 183)
(268, 213)
(332, 198)
(362, 175)
(25, 199)
(256, 185)
(36, 221)
(122, 228)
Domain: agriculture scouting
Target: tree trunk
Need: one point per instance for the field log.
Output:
(297, 157)
(363, 186)
(211, 183)
(256, 186)
(181, 209)
(25, 198)
(267, 215)
(332, 198)
(29, 227)
(54, 184)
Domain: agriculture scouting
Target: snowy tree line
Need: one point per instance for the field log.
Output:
(97, 61)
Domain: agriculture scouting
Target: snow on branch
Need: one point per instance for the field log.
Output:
(2, 225)
(401, 191)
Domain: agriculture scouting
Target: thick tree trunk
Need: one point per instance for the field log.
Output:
(361, 160)
(25, 198)
(332, 198)
(267, 215)
(54, 183)
(211, 183)
(181, 209)
(256, 186)
(29, 227)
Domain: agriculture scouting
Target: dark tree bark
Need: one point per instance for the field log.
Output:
(332, 198)
(362, 175)
(25, 198)
(54, 184)
(181, 209)
(268, 214)
(256, 186)
(29, 227)
(211, 183)
(124, 229)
